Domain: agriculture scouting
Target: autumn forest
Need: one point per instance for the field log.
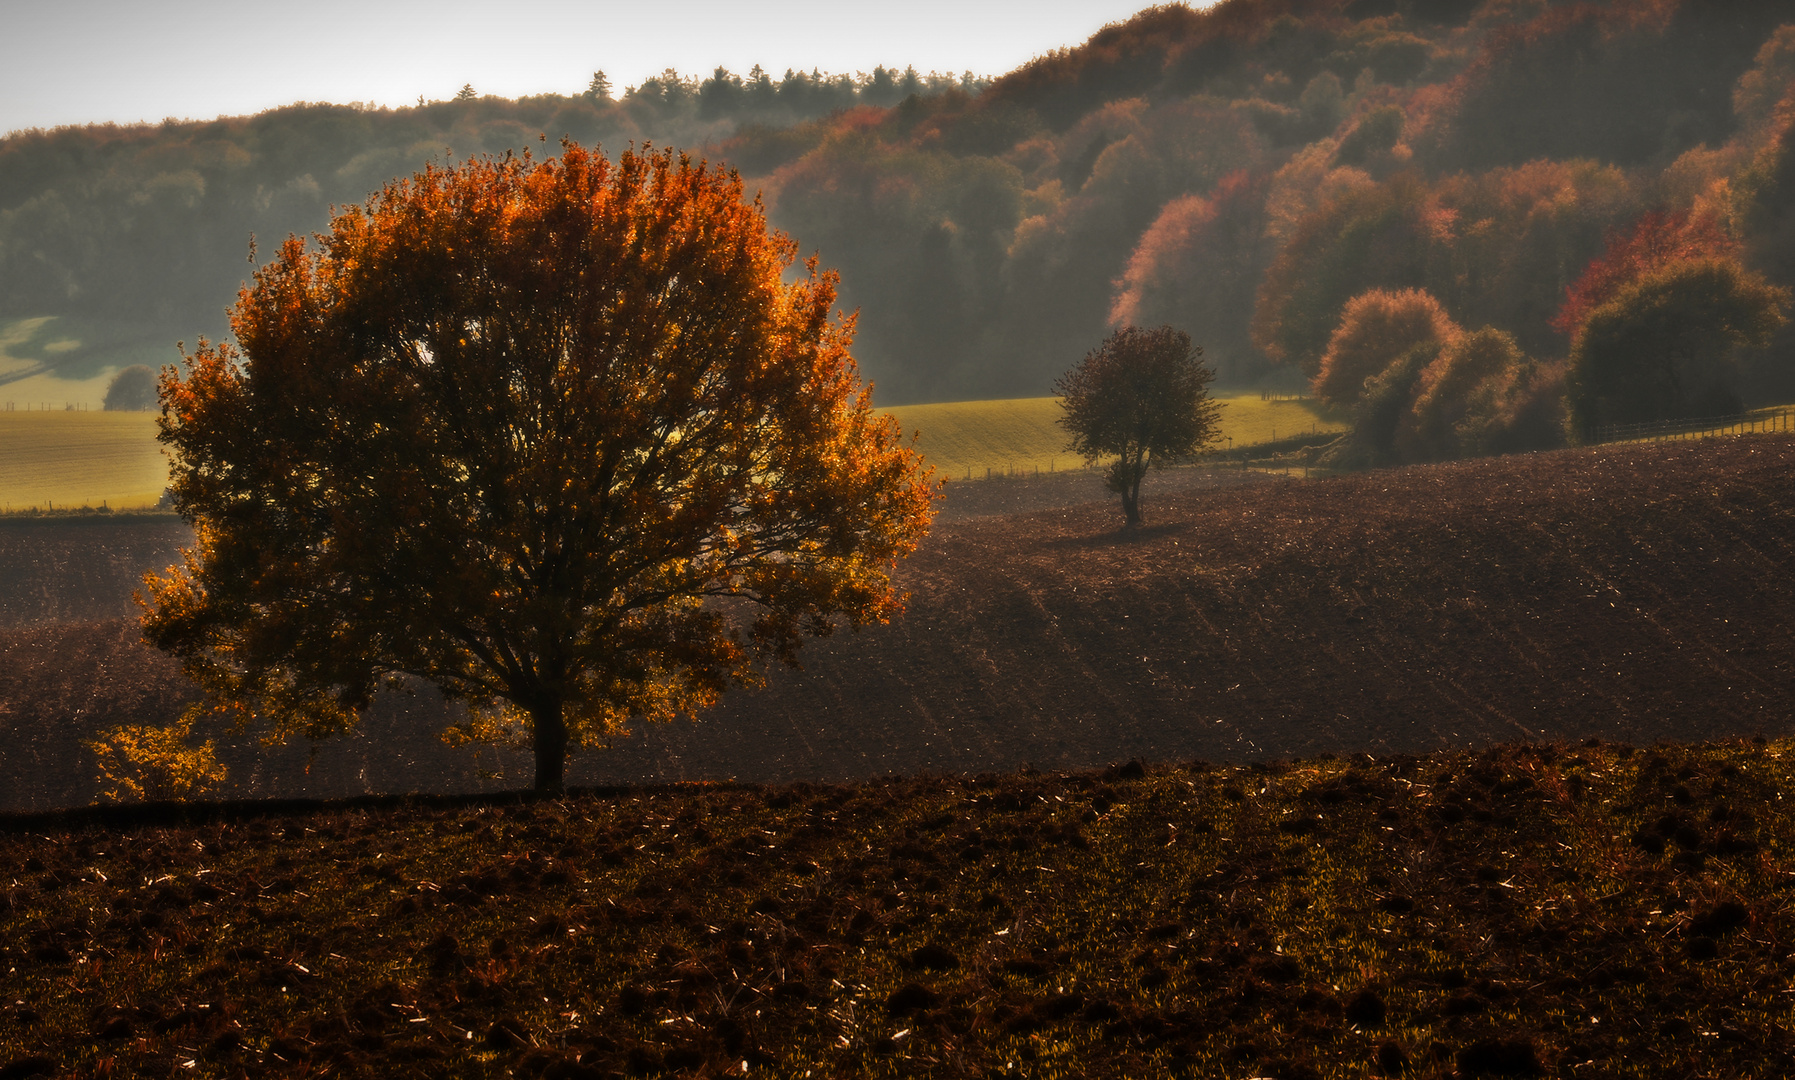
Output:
(1314, 189)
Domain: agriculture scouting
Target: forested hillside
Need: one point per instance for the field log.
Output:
(1505, 196)
(138, 235)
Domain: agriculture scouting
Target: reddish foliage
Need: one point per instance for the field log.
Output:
(1197, 265)
(1657, 239)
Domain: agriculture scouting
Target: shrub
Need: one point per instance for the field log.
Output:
(1521, 409)
(1380, 411)
(1375, 328)
(131, 390)
(1663, 346)
(1434, 427)
(144, 763)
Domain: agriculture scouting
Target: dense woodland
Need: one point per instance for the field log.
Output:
(1469, 221)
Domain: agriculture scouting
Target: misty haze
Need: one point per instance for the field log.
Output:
(1279, 515)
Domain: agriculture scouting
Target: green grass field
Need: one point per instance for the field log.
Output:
(73, 459)
(964, 439)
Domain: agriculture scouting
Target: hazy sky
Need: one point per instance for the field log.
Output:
(82, 61)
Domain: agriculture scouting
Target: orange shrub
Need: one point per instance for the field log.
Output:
(145, 763)
(1520, 409)
(1375, 328)
(1469, 367)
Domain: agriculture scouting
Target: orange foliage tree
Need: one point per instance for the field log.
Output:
(1472, 369)
(555, 437)
(1198, 265)
(1143, 396)
(1657, 239)
(1375, 328)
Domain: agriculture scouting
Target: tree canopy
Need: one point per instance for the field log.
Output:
(1248, 167)
(556, 437)
(1143, 396)
(133, 389)
(1375, 328)
(1659, 348)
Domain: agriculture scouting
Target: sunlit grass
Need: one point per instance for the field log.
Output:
(74, 459)
(972, 439)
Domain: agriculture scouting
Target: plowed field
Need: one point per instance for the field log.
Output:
(1633, 593)
(83, 568)
(1576, 913)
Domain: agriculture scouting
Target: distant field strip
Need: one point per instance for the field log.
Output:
(72, 459)
(1022, 435)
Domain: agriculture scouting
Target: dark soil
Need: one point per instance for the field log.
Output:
(1005, 495)
(1567, 911)
(1634, 593)
(72, 569)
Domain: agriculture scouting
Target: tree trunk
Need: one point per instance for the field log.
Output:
(550, 730)
(1131, 502)
(1131, 489)
(1125, 480)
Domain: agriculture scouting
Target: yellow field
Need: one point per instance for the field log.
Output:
(73, 459)
(52, 361)
(977, 438)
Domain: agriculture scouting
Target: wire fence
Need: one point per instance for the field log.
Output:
(1011, 469)
(1761, 421)
(1293, 452)
(1273, 455)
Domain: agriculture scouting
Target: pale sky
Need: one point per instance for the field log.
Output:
(89, 61)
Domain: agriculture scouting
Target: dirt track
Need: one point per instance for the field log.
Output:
(1631, 593)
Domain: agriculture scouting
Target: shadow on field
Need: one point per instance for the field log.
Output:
(1628, 593)
(1140, 534)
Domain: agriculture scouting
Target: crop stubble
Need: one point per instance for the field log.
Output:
(1573, 912)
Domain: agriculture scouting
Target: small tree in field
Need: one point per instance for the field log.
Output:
(1143, 396)
(556, 437)
(131, 390)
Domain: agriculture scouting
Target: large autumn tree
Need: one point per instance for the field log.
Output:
(555, 436)
(1142, 396)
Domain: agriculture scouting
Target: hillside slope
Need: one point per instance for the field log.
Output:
(1241, 170)
(1631, 592)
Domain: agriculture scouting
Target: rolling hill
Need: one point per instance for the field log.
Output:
(1632, 592)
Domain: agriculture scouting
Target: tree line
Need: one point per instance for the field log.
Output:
(1250, 172)
(146, 227)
